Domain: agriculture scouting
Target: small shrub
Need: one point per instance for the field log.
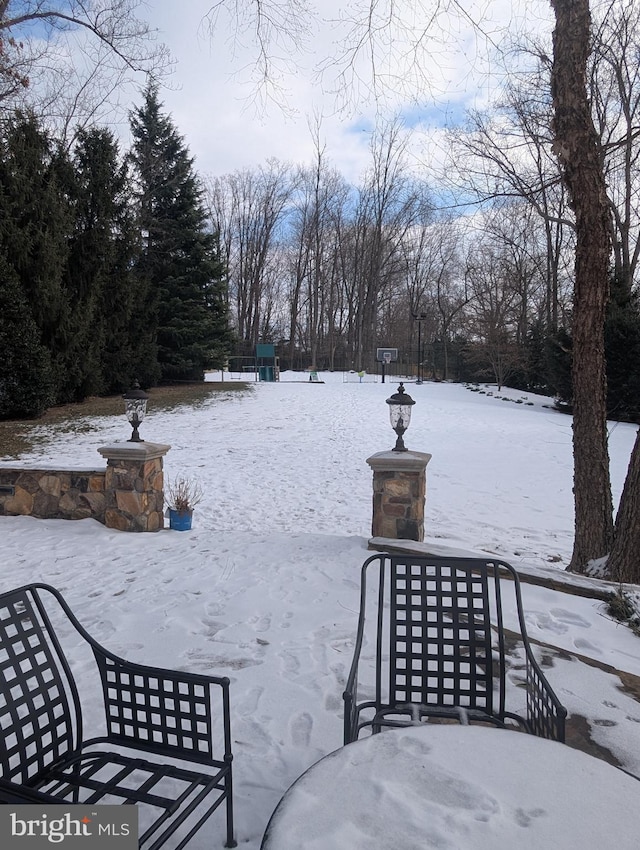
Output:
(622, 608)
(183, 494)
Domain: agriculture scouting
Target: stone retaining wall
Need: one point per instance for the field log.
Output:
(127, 495)
(53, 493)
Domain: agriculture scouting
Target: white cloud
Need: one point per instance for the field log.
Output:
(212, 93)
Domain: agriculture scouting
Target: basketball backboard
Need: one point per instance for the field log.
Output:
(386, 355)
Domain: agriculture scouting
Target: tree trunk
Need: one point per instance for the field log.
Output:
(624, 560)
(577, 147)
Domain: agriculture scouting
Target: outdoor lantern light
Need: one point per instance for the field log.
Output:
(400, 405)
(135, 408)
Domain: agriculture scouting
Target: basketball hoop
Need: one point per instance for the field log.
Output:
(386, 356)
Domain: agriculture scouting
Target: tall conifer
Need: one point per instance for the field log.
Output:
(180, 257)
(99, 276)
(26, 387)
(35, 223)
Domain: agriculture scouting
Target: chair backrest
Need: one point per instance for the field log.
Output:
(435, 642)
(39, 709)
(440, 641)
(162, 711)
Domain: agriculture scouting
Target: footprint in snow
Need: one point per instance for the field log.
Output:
(569, 617)
(290, 663)
(261, 624)
(212, 627)
(581, 643)
(248, 703)
(300, 728)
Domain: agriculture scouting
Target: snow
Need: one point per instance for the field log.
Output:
(265, 587)
(453, 787)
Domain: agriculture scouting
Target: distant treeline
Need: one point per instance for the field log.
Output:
(330, 272)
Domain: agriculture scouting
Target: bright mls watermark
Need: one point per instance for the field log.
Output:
(74, 827)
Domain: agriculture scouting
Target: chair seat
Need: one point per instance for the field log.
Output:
(97, 777)
(92, 776)
(418, 713)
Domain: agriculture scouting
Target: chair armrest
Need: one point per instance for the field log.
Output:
(164, 711)
(545, 713)
(350, 710)
(350, 693)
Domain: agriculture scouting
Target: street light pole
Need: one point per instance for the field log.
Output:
(419, 317)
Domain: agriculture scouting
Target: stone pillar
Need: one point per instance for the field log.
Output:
(134, 486)
(399, 491)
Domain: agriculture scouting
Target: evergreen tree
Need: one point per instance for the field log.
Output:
(26, 387)
(622, 351)
(180, 257)
(78, 337)
(99, 277)
(622, 348)
(35, 224)
(534, 362)
(558, 348)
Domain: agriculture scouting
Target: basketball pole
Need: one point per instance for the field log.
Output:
(384, 356)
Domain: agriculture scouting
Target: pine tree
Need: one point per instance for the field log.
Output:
(99, 277)
(35, 224)
(558, 355)
(180, 257)
(26, 387)
(622, 347)
(622, 351)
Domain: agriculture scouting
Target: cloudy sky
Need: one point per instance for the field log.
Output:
(232, 120)
(228, 124)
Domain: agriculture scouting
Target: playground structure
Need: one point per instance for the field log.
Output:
(264, 366)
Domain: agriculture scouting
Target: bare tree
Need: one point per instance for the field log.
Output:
(247, 209)
(391, 203)
(598, 158)
(317, 213)
(578, 149)
(505, 153)
(614, 89)
(493, 310)
(433, 272)
(69, 59)
(279, 30)
(111, 22)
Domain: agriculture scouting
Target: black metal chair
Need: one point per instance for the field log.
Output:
(431, 651)
(153, 745)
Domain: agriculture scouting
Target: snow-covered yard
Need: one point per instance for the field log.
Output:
(265, 587)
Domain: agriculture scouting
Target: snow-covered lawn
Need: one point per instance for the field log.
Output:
(264, 589)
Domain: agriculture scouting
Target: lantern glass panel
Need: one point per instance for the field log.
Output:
(136, 409)
(398, 412)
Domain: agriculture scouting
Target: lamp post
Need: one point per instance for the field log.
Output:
(419, 317)
(135, 408)
(400, 404)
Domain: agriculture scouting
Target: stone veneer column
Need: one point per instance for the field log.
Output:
(399, 491)
(134, 486)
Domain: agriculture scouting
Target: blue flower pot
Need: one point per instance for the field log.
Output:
(180, 520)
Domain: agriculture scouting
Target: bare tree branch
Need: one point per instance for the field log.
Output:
(69, 59)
